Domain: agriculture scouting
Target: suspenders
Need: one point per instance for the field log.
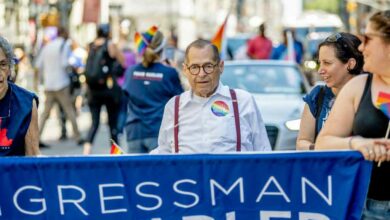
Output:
(176, 124)
(236, 121)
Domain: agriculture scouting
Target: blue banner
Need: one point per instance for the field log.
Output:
(298, 185)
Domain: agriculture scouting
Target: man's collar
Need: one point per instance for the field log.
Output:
(221, 90)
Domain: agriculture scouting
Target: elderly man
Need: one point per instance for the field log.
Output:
(210, 117)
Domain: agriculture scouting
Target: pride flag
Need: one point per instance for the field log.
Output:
(383, 103)
(219, 38)
(385, 107)
(115, 149)
(148, 35)
(139, 43)
(144, 39)
(382, 98)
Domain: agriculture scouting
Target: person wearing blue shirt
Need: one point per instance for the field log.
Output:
(340, 60)
(281, 51)
(18, 111)
(148, 86)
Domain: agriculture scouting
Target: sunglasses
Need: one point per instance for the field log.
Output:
(337, 38)
(366, 37)
(334, 38)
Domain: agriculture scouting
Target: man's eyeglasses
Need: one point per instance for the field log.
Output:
(4, 65)
(207, 68)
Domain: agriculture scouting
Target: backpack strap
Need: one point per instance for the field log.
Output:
(176, 124)
(320, 101)
(236, 119)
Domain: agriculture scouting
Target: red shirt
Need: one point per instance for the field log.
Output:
(259, 48)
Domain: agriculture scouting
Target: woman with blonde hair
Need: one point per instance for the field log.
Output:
(148, 86)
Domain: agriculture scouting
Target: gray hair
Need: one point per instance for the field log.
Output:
(200, 44)
(8, 51)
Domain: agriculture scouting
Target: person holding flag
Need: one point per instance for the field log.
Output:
(357, 122)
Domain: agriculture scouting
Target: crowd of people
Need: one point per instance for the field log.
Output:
(146, 100)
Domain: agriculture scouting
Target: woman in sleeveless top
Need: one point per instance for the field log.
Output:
(339, 60)
(356, 122)
(18, 111)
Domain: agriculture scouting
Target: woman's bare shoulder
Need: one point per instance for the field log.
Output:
(356, 84)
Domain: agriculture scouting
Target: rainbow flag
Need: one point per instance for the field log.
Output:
(219, 38)
(139, 43)
(383, 103)
(382, 98)
(115, 149)
(148, 35)
(385, 107)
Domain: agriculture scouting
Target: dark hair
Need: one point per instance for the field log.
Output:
(63, 32)
(346, 47)
(103, 30)
(200, 43)
(381, 22)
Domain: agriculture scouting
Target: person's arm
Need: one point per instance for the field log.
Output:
(251, 49)
(336, 132)
(32, 138)
(259, 133)
(66, 51)
(338, 127)
(165, 136)
(115, 53)
(305, 140)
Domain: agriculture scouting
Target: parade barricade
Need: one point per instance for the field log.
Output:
(296, 185)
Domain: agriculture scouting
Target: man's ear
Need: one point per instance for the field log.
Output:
(9, 75)
(184, 68)
(221, 66)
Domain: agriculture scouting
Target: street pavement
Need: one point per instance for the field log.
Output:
(52, 133)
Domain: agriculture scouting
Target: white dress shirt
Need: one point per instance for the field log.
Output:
(206, 125)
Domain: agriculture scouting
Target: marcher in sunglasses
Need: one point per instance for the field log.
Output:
(357, 122)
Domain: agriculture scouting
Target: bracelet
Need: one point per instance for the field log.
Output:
(350, 141)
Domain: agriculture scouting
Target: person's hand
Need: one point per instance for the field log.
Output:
(372, 149)
(386, 143)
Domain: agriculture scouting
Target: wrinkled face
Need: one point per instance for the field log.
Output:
(202, 71)
(4, 72)
(375, 51)
(332, 70)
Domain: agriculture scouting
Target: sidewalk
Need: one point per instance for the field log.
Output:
(52, 133)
